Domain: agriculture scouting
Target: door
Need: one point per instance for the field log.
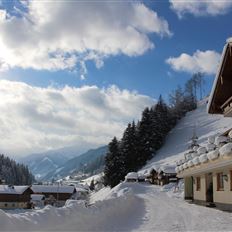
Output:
(209, 187)
(188, 185)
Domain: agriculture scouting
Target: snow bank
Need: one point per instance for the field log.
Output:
(226, 149)
(174, 190)
(107, 215)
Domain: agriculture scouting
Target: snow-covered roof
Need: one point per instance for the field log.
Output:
(12, 189)
(132, 175)
(141, 176)
(218, 75)
(52, 189)
(78, 189)
(168, 169)
(37, 197)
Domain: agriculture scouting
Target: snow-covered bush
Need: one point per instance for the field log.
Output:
(221, 140)
(177, 169)
(203, 158)
(212, 155)
(210, 147)
(196, 161)
(190, 163)
(195, 148)
(181, 168)
(201, 150)
(211, 139)
(226, 150)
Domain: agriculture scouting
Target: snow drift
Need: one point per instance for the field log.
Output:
(107, 215)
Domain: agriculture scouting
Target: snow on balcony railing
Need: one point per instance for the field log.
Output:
(226, 150)
(190, 163)
(196, 161)
(216, 147)
(203, 158)
(210, 147)
(221, 140)
(201, 150)
(212, 155)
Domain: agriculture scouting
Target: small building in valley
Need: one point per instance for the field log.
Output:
(207, 171)
(15, 197)
(54, 194)
(166, 174)
(37, 200)
(131, 177)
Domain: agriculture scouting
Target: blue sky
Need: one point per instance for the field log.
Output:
(133, 51)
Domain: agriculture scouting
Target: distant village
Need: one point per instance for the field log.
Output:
(56, 194)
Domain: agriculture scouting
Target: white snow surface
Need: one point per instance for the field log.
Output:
(212, 155)
(131, 175)
(179, 139)
(203, 158)
(230, 134)
(52, 189)
(11, 189)
(127, 207)
(226, 149)
(220, 139)
(137, 206)
(168, 169)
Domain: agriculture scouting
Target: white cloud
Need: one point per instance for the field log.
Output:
(58, 35)
(36, 119)
(200, 7)
(200, 61)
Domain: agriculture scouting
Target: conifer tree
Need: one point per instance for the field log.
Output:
(114, 170)
(145, 143)
(129, 148)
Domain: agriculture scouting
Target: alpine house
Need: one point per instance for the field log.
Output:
(207, 171)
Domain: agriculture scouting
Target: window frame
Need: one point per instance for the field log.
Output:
(220, 181)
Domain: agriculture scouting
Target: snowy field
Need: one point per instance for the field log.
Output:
(127, 207)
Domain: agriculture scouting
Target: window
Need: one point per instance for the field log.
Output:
(220, 182)
(6, 204)
(198, 180)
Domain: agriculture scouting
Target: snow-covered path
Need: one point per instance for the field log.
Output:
(165, 213)
(127, 207)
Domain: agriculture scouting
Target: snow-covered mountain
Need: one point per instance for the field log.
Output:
(179, 138)
(76, 163)
(41, 164)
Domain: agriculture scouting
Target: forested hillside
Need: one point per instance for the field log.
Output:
(14, 173)
(141, 140)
